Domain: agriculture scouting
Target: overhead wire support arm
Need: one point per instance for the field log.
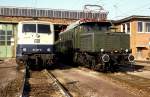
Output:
(88, 6)
(98, 9)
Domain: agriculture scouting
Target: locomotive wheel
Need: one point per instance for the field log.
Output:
(98, 67)
(106, 67)
(88, 61)
(75, 58)
(93, 65)
(81, 59)
(20, 64)
(103, 67)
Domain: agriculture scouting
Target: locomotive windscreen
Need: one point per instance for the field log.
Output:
(42, 28)
(31, 28)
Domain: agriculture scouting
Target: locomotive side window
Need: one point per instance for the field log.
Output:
(44, 28)
(29, 28)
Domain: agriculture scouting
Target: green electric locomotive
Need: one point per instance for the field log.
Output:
(91, 43)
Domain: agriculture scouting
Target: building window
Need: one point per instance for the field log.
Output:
(147, 27)
(126, 28)
(6, 34)
(140, 26)
(123, 27)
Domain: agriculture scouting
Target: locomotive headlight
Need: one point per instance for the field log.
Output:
(115, 51)
(48, 49)
(102, 50)
(24, 49)
(127, 50)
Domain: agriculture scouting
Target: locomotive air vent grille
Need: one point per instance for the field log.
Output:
(108, 42)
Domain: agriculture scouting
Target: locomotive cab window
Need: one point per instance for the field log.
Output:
(29, 28)
(94, 26)
(44, 28)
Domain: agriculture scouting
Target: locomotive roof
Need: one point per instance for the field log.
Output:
(75, 24)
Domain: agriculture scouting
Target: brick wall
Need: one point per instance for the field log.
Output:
(138, 41)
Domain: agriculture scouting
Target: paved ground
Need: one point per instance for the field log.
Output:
(91, 84)
(142, 72)
(145, 74)
(7, 71)
(10, 79)
(143, 63)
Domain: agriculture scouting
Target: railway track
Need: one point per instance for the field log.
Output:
(45, 84)
(42, 84)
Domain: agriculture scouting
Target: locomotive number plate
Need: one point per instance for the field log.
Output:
(36, 40)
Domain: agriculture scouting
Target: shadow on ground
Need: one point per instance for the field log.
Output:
(63, 66)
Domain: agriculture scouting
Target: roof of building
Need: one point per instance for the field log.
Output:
(52, 13)
(131, 18)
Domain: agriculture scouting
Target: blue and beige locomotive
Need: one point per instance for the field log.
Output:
(35, 41)
(93, 44)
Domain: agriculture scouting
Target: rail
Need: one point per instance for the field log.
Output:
(59, 85)
(50, 78)
(24, 82)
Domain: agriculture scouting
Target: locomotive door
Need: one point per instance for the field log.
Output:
(6, 37)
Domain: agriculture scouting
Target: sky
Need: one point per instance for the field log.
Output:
(117, 9)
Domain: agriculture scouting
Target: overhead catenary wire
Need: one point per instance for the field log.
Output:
(131, 12)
